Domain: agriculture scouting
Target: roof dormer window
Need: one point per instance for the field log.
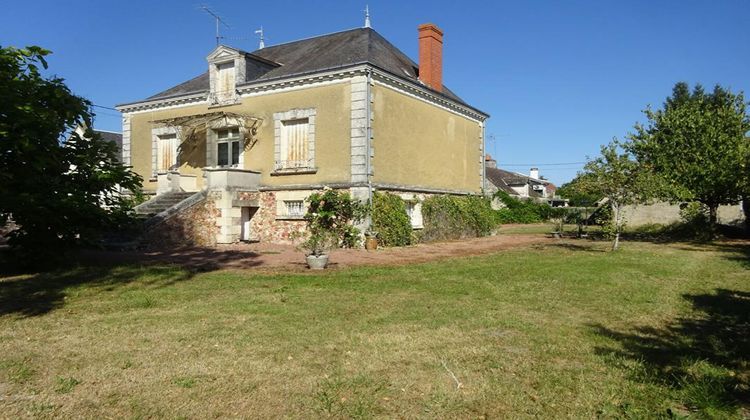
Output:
(225, 86)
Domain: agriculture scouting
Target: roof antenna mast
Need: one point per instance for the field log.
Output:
(219, 20)
(262, 39)
(367, 16)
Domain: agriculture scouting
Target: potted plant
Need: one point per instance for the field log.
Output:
(317, 246)
(330, 217)
(371, 240)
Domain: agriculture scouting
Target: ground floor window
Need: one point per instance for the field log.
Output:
(414, 211)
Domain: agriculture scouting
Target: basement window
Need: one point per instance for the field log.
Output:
(294, 208)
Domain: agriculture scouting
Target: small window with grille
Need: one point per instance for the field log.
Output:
(294, 208)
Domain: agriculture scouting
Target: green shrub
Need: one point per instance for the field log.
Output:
(332, 213)
(455, 217)
(390, 221)
(522, 211)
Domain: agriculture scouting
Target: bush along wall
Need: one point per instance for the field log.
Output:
(390, 221)
(456, 217)
(522, 211)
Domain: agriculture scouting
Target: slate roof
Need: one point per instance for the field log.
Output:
(321, 53)
(503, 179)
(113, 137)
(497, 177)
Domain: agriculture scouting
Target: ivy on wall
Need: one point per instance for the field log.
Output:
(456, 217)
(390, 221)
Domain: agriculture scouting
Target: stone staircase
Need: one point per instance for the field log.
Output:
(161, 203)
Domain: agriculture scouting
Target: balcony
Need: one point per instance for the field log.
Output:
(174, 181)
(231, 179)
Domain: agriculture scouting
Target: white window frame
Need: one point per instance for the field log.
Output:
(229, 141)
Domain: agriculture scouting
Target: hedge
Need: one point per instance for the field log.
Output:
(456, 217)
(522, 211)
(390, 221)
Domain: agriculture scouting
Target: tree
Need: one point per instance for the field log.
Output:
(61, 188)
(619, 179)
(696, 143)
(577, 193)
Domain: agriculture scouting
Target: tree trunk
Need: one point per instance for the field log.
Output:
(746, 210)
(712, 218)
(617, 222)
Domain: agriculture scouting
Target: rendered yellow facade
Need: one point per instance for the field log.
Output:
(420, 144)
(332, 153)
(416, 144)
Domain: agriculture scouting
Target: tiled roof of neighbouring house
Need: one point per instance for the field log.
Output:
(112, 137)
(321, 53)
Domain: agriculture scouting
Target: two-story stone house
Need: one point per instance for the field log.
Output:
(233, 153)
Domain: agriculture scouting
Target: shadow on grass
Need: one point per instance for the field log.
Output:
(38, 293)
(704, 357)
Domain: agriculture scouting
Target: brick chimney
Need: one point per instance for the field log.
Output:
(489, 162)
(431, 56)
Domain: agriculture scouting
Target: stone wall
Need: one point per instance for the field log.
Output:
(265, 225)
(194, 226)
(665, 213)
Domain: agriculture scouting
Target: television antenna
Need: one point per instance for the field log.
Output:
(219, 22)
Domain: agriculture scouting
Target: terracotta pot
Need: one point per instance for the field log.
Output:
(371, 244)
(318, 262)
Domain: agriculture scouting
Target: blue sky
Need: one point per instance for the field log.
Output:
(559, 78)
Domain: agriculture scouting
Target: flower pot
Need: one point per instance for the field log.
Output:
(371, 244)
(317, 262)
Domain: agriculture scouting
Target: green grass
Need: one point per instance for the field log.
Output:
(563, 330)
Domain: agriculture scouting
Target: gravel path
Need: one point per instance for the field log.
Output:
(285, 257)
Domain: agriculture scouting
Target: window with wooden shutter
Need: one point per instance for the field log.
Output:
(225, 88)
(294, 143)
(166, 158)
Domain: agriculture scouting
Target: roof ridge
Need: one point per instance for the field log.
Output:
(306, 39)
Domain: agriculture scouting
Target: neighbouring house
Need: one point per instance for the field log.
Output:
(110, 136)
(233, 153)
(531, 186)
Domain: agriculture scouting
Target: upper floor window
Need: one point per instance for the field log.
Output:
(228, 147)
(166, 152)
(225, 86)
(294, 145)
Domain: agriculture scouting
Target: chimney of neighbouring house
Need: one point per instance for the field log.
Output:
(489, 162)
(534, 173)
(431, 56)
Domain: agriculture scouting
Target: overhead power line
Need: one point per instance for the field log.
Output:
(104, 107)
(543, 164)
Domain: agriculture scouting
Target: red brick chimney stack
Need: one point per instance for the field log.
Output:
(431, 56)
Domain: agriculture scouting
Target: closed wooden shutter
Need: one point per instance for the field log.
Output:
(167, 152)
(294, 143)
(225, 87)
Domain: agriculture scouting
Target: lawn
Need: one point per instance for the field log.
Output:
(563, 330)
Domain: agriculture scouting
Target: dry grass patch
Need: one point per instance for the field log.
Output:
(545, 331)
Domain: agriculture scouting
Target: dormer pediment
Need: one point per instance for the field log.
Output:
(223, 53)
